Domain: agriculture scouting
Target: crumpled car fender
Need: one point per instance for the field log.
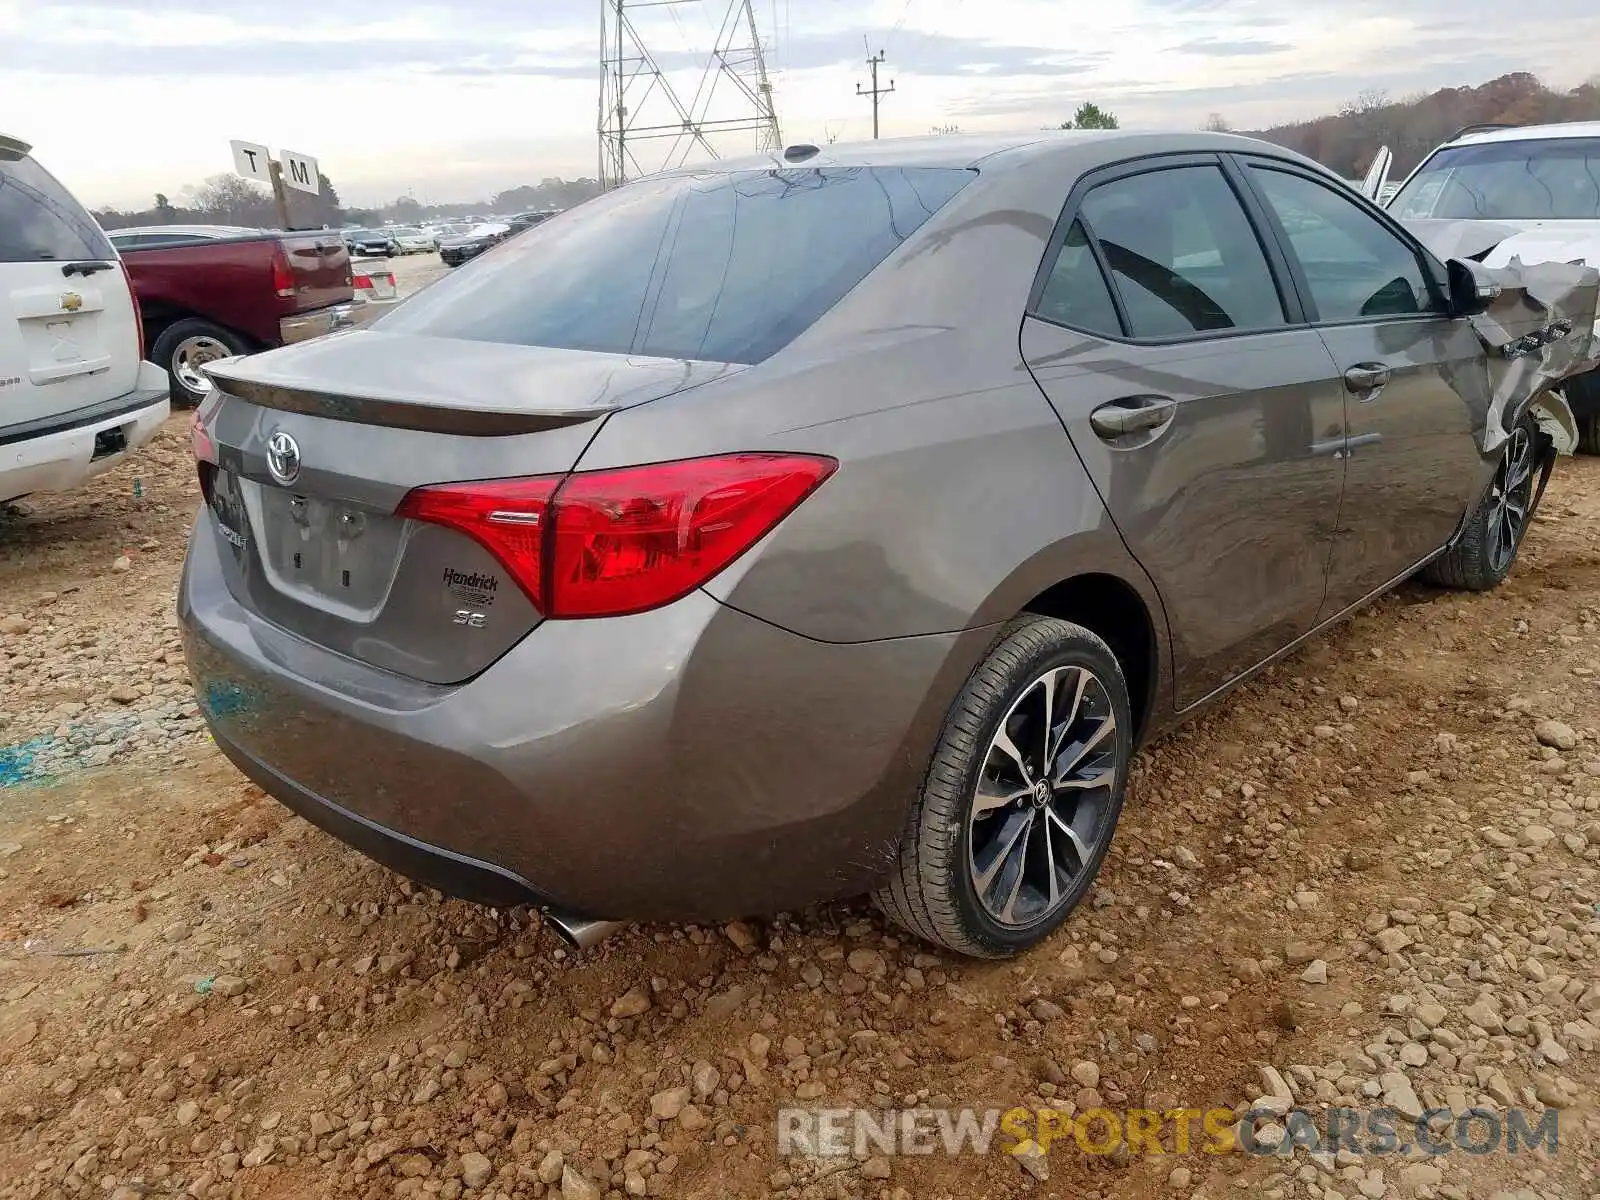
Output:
(1541, 326)
(1554, 417)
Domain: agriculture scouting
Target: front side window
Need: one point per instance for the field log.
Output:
(1535, 180)
(1182, 253)
(1354, 264)
(41, 222)
(719, 266)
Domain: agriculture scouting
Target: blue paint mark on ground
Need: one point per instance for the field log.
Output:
(16, 761)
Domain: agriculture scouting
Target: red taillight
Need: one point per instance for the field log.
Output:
(607, 543)
(361, 281)
(282, 277)
(138, 313)
(509, 516)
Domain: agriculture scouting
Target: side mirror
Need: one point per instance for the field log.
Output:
(1471, 288)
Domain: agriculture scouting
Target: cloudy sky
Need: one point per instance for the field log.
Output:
(122, 98)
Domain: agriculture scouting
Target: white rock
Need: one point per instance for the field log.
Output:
(475, 1170)
(1555, 733)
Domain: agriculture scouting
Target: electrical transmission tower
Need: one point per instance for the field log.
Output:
(638, 101)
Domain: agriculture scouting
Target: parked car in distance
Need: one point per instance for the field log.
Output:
(411, 240)
(76, 396)
(1538, 188)
(205, 298)
(528, 220)
(721, 589)
(375, 286)
(456, 250)
(374, 242)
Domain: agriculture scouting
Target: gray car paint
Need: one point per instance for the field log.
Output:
(756, 744)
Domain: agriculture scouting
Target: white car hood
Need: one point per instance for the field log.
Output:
(1529, 241)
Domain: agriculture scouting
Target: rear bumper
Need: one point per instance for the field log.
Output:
(59, 453)
(689, 763)
(302, 327)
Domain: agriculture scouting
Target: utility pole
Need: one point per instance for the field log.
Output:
(874, 61)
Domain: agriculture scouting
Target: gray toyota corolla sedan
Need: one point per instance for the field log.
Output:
(788, 529)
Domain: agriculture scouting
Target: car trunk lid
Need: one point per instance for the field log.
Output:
(310, 450)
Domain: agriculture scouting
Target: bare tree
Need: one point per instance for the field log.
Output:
(1217, 123)
(230, 200)
(945, 129)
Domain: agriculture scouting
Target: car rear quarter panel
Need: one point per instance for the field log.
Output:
(958, 497)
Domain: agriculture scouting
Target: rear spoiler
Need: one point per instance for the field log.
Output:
(393, 414)
(13, 149)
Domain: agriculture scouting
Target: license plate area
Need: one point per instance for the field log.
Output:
(330, 554)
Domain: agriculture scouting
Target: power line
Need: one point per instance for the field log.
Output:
(874, 61)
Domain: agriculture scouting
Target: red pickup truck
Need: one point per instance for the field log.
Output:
(210, 292)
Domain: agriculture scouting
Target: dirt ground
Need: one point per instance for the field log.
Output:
(1368, 878)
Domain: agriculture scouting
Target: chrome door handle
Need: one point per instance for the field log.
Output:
(1136, 414)
(1367, 377)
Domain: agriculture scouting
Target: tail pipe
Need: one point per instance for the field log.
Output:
(582, 933)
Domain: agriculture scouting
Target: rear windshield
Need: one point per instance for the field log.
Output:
(41, 222)
(1545, 179)
(726, 267)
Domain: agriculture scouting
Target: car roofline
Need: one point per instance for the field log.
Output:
(1477, 135)
(973, 151)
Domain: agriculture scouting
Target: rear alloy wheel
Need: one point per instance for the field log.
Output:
(1022, 797)
(186, 346)
(1488, 545)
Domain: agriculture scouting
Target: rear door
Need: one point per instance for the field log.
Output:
(1211, 427)
(1415, 391)
(69, 333)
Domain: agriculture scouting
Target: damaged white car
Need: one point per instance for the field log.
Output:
(1516, 199)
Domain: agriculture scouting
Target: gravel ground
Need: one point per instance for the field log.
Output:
(1369, 878)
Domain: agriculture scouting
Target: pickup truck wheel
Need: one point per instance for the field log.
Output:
(186, 346)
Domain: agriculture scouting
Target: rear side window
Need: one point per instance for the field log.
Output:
(1182, 253)
(725, 267)
(1076, 293)
(41, 222)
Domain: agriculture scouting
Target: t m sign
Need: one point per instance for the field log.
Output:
(252, 160)
(300, 171)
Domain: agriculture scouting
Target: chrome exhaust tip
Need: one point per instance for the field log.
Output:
(581, 933)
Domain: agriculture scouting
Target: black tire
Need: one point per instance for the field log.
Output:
(189, 340)
(1479, 560)
(1583, 397)
(935, 891)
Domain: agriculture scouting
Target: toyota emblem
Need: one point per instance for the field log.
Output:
(283, 457)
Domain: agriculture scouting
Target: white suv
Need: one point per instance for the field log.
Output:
(76, 395)
(1499, 192)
